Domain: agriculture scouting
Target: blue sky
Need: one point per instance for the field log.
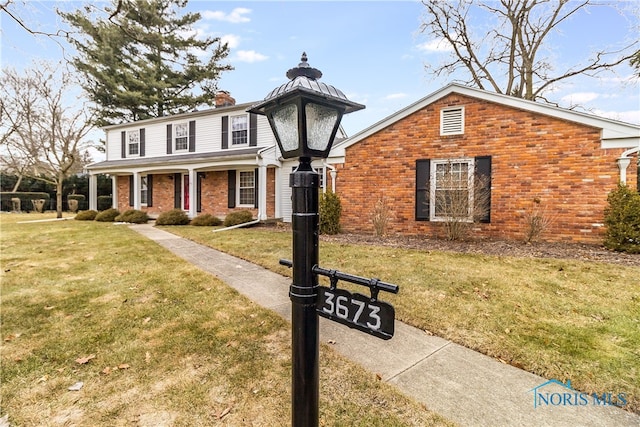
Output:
(372, 50)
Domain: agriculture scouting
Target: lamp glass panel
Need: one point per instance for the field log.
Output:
(320, 123)
(285, 119)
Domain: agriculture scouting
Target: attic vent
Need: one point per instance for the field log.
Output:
(452, 121)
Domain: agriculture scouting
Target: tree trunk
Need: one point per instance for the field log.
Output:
(15, 187)
(59, 197)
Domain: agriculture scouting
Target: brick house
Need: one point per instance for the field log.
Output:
(211, 161)
(522, 155)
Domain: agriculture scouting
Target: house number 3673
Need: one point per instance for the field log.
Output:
(348, 308)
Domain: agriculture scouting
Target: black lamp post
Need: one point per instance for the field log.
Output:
(304, 115)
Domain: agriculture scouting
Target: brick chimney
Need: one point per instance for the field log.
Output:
(223, 99)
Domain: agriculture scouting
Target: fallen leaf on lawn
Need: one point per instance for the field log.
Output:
(147, 357)
(124, 366)
(43, 379)
(331, 342)
(146, 320)
(83, 360)
(76, 387)
(11, 337)
(50, 307)
(106, 370)
(224, 413)
(379, 377)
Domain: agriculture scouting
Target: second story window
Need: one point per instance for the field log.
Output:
(133, 139)
(239, 130)
(181, 136)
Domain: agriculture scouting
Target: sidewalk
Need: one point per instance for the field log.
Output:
(464, 386)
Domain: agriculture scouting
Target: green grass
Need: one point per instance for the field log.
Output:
(172, 344)
(560, 319)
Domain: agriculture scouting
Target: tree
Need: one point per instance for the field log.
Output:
(141, 59)
(508, 58)
(40, 135)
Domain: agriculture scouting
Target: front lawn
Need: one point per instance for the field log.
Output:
(102, 327)
(562, 319)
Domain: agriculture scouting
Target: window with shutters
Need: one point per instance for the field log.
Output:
(181, 137)
(239, 130)
(451, 189)
(144, 190)
(133, 142)
(246, 188)
(452, 121)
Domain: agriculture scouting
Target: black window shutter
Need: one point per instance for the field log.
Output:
(149, 190)
(232, 189)
(192, 136)
(199, 193)
(255, 188)
(423, 168)
(253, 130)
(123, 144)
(169, 139)
(177, 190)
(483, 174)
(142, 138)
(131, 190)
(225, 132)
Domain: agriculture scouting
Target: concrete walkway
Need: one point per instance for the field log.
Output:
(460, 384)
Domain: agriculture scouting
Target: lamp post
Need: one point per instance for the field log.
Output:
(304, 115)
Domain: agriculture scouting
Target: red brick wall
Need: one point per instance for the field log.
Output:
(534, 156)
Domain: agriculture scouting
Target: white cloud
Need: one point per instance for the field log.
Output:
(235, 17)
(250, 56)
(231, 39)
(578, 98)
(392, 96)
(435, 46)
(632, 116)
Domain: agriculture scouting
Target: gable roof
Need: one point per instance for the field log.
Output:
(615, 134)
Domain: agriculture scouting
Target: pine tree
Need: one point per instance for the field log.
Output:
(140, 61)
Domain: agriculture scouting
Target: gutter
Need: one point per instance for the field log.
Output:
(244, 224)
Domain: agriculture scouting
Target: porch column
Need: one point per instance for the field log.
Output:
(114, 191)
(136, 191)
(93, 192)
(193, 190)
(262, 193)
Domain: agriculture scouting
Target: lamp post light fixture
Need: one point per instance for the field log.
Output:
(304, 115)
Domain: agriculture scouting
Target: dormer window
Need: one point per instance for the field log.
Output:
(452, 121)
(239, 130)
(181, 137)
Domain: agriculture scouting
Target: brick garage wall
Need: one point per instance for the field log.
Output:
(534, 157)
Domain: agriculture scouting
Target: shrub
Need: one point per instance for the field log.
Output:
(173, 217)
(86, 215)
(108, 216)
(104, 203)
(133, 216)
(536, 221)
(330, 211)
(238, 217)
(25, 200)
(206, 220)
(622, 219)
(380, 217)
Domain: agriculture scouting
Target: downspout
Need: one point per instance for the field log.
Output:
(333, 172)
(624, 161)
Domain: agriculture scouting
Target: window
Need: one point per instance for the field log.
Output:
(452, 121)
(451, 189)
(181, 136)
(246, 185)
(144, 190)
(133, 139)
(239, 130)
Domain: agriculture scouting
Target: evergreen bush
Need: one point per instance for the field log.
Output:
(108, 216)
(86, 215)
(133, 216)
(238, 217)
(622, 219)
(104, 203)
(330, 211)
(173, 217)
(206, 220)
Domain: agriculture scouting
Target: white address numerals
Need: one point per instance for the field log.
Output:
(352, 310)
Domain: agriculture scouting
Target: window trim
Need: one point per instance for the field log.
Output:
(443, 113)
(185, 136)
(232, 131)
(470, 161)
(130, 133)
(239, 188)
